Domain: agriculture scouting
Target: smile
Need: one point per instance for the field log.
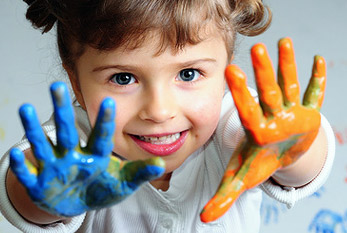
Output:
(161, 140)
(161, 145)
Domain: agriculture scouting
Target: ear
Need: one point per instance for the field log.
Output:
(73, 77)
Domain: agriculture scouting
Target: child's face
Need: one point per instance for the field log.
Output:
(168, 105)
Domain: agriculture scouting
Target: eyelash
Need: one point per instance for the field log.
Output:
(200, 72)
(114, 76)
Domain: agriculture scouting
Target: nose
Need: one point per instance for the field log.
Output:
(160, 105)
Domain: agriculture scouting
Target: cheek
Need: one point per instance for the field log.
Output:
(92, 108)
(205, 113)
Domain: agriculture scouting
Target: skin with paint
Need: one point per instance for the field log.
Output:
(278, 129)
(69, 179)
(160, 86)
(161, 123)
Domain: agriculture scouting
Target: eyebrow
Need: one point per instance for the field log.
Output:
(180, 64)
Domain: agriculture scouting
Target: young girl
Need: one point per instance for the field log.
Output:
(164, 64)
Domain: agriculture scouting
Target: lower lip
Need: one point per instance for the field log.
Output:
(162, 150)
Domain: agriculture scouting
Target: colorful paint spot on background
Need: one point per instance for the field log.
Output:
(319, 193)
(271, 210)
(4, 102)
(340, 134)
(331, 64)
(329, 221)
(2, 134)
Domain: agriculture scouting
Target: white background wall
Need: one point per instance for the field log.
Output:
(29, 63)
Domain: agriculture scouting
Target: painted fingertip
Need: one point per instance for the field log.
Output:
(235, 76)
(207, 214)
(157, 161)
(108, 108)
(59, 92)
(58, 86)
(285, 42)
(26, 110)
(234, 71)
(155, 171)
(258, 49)
(108, 103)
(16, 158)
(319, 60)
(28, 115)
(18, 167)
(154, 168)
(319, 66)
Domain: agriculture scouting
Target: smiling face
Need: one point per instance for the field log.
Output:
(168, 104)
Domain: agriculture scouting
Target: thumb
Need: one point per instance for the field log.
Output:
(134, 173)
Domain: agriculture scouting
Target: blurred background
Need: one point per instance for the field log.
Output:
(29, 63)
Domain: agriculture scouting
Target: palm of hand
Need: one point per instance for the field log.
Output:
(70, 179)
(279, 121)
(278, 129)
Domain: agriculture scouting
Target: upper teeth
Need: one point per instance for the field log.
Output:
(161, 140)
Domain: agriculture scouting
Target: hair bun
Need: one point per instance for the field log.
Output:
(251, 17)
(40, 14)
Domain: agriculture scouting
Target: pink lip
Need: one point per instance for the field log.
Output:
(162, 150)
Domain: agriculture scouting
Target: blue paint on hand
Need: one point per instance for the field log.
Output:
(71, 180)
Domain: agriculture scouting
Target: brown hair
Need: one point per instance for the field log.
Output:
(107, 24)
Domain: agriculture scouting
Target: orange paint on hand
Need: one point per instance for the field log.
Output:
(278, 129)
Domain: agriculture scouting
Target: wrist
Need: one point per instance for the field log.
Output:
(307, 167)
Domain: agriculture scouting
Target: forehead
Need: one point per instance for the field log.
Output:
(211, 45)
(158, 41)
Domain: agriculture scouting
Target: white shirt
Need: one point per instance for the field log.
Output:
(191, 187)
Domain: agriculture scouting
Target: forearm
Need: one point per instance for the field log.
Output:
(22, 202)
(307, 167)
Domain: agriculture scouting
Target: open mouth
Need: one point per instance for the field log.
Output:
(161, 140)
(161, 145)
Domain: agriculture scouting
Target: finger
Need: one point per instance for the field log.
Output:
(249, 110)
(256, 168)
(135, 173)
(26, 174)
(287, 74)
(100, 142)
(67, 135)
(314, 94)
(228, 191)
(40, 145)
(270, 96)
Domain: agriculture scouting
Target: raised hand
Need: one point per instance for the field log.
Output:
(278, 129)
(69, 179)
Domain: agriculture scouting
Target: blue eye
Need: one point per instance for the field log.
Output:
(189, 75)
(123, 79)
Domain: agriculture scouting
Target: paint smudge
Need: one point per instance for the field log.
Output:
(319, 193)
(328, 221)
(340, 134)
(4, 102)
(270, 210)
(2, 134)
(331, 64)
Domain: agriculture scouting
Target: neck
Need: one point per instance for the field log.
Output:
(163, 182)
